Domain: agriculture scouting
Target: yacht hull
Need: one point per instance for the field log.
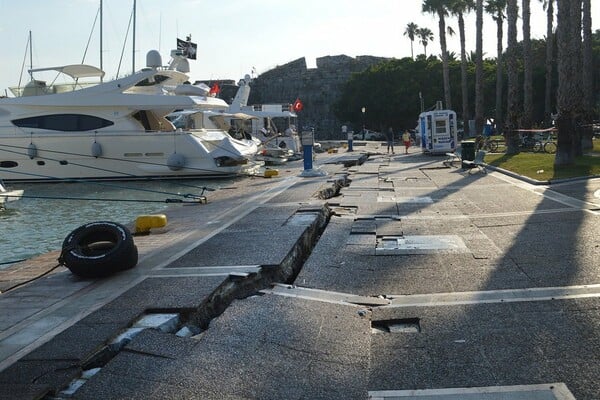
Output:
(119, 156)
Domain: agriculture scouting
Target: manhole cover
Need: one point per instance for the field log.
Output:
(422, 244)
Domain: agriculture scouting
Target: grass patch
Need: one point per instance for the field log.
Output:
(540, 166)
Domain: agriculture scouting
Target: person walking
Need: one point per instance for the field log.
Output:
(406, 140)
(389, 136)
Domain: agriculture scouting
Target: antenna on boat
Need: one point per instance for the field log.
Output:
(101, 40)
(133, 52)
(30, 56)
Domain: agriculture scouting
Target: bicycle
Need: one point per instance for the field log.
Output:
(549, 144)
(530, 143)
(487, 144)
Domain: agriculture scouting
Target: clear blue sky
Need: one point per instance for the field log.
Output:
(233, 36)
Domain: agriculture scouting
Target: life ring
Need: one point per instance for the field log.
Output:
(99, 249)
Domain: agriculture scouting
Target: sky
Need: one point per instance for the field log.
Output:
(234, 37)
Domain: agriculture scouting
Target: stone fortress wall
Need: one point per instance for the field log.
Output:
(318, 88)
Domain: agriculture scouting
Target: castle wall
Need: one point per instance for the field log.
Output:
(318, 89)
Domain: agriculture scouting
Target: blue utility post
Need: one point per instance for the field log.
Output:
(308, 140)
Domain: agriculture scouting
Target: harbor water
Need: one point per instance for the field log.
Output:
(39, 222)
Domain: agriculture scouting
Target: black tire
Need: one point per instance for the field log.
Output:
(550, 147)
(99, 249)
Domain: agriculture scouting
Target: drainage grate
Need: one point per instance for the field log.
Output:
(550, 391)
(405, 200)
(420, 244)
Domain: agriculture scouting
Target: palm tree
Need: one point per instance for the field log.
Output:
(458, 9)
(411, 31)
(587, 77)
(496, 8)
(439, 8)
(479, 68)
(512, 108)
(549, 7)
(568, 32)
(527, 68)
(425, 35)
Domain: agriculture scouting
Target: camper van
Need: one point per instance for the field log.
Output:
(437, 131)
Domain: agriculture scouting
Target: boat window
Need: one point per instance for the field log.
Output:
(154, 80)
(8, 164)
(63, 122)
(153, 122)
(142, 117)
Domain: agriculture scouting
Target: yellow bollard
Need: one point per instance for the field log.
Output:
(144, 223)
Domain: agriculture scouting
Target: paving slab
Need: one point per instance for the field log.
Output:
(490, 345)
(263, 237)
(262, 347)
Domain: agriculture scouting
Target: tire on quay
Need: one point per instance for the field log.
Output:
(99, 249)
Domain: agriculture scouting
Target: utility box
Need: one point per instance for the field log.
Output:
(438, 131)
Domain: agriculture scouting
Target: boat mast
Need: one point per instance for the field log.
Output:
(101, 40)
(133, 54)
(30, 56)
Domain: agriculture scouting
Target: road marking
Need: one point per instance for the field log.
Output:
(324, 295)
(493, 296)
(548, 391)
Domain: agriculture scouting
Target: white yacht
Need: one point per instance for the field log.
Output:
(115, 130)
(274, 124)
(7, 195)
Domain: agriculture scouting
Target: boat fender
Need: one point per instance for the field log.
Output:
(271, 173)
(99, 249)
(144, 223)
(32, 151)
(96, 149)
(176, 161)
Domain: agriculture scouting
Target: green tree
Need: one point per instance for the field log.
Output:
(512, 108)
(587, 77)
(440, 8)
(527, 67)
(496, 8)
(459, 8)
(479, 100)
(425, 36)
(411, 31)
(568, 32)
(549, 7)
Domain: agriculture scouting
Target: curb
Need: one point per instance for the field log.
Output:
(539, 183)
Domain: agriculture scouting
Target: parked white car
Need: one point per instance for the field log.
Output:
(369, 135)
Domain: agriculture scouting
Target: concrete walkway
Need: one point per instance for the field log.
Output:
(416, 281)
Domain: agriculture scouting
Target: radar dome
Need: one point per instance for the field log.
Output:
(182, 65)
(153, 59)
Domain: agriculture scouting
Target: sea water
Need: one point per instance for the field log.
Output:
(40, 221)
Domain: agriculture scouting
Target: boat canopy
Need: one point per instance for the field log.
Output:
(75, 71)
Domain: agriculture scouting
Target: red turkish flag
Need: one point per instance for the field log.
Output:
(298, 106)
(215, 89)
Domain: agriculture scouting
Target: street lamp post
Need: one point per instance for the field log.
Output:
(363, 110)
